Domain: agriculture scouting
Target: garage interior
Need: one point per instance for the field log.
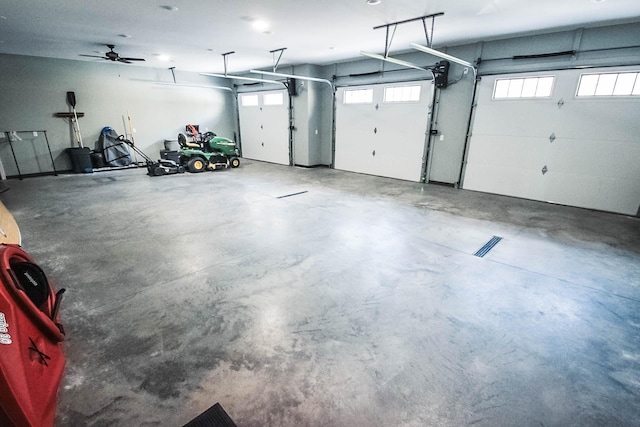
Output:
(435, 220)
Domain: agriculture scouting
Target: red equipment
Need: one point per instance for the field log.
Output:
(31, 357)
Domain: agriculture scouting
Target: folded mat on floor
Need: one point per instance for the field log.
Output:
(212, 417)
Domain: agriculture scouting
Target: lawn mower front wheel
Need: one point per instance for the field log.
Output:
(235, 162)
(196, 164)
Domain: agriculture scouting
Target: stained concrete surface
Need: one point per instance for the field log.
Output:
(355, 303)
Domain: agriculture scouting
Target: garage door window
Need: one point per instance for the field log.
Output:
(249, 100)
(609, 84)
(273, 99)
(358, 96)
(523, 87)
(402, 94)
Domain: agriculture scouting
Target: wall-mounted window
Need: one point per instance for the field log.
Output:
(273, 98)
(402, 94)
(523, 87)
(358, 96)
(249, 100)
(609, 84)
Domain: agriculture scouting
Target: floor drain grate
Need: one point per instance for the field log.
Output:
(488, 246)
(292, 194)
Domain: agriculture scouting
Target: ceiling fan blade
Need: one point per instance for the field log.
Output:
(132, 59)
(94, 56)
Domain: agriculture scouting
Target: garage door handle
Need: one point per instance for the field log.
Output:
(374, 153)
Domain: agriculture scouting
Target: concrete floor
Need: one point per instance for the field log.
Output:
(356, 303)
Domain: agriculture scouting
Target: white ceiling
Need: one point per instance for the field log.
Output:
(320, 32)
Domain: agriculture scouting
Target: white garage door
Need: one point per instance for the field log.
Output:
(264, 126)
(381, 129)
(540, 137)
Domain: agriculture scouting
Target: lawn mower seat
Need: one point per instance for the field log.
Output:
(185, 143)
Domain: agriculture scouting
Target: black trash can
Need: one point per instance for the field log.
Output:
(81, 160)
(97, 160)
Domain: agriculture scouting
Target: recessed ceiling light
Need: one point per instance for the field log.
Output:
(162, 57)
(170, 8)
(260, 25)
(373, 2)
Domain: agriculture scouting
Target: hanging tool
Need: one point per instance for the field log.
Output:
(71, 99)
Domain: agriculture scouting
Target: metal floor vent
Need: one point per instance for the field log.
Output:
(488, 246)
(292, 194)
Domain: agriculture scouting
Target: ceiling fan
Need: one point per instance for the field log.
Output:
(113, 56)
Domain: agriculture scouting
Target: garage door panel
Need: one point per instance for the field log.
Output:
(404, 167)
(593, 192)
(591, 162)
(597, 157)
(576, 118)
(250, 119)
(605, 119)
(537, 122)
(264, 130)
(384, 139)
(513, 181)
(570, 182)
(507, 151)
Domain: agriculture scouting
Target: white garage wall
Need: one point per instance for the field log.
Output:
(588, 147)
(33, 89)
(312, 123)
(447, 147)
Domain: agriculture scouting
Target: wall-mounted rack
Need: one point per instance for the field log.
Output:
(12, 136)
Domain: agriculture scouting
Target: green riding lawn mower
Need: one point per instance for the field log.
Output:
(199, 152)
